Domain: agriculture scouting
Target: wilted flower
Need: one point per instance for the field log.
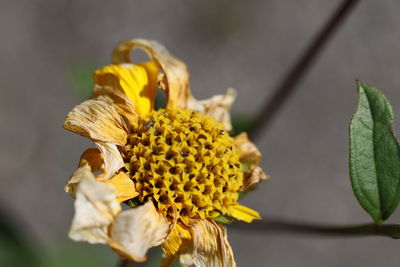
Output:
(177, 168)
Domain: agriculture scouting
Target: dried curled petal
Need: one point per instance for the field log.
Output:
(248, 152)
(249, 156)
(118, 99)
(112, 159)
(176, 78)
(98, 121)
(252, 178)
(210, 245)
(216, 107)
(89, 162)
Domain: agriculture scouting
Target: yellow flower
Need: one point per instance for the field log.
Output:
(177, 167)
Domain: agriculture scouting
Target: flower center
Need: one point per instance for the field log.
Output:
(185, 162)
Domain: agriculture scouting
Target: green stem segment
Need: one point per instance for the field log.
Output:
(360, 230)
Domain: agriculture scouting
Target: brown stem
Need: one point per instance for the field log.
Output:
(299, 69)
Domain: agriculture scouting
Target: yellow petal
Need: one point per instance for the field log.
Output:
(139, 82)
(136, 230)
(95, 209)
(124, 187)
(216, 107)
(176, 78)
(98, 121)
(243, 213)
(210, 246)
(177, 240)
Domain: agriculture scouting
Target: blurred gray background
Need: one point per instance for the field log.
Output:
(48, 50)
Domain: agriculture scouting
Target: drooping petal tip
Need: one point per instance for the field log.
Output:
(95, 209)
(136, 230)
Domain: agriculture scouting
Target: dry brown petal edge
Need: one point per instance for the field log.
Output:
(249, 154)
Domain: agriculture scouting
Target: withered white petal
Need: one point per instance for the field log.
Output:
(95, 209)
(136, 230)
(98, 121)
(216, 107)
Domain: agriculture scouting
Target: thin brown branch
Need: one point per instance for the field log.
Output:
(297, 72)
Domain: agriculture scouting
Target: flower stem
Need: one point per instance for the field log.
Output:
(125, 263)
(286, 227)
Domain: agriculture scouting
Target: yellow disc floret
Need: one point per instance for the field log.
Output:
(185, 162)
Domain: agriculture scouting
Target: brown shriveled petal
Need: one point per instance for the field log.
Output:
(97, 120)
(95, 209)
(210, 246)
(249, 156)
(118, 99)
(89, 163)
(252, 178)
(175, 81)
(136, 230)
(216, 107)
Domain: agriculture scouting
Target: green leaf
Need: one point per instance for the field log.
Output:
(374, 155)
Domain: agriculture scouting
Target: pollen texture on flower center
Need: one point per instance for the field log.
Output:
(185, 163)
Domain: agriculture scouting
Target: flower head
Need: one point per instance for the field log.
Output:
(177, 168)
